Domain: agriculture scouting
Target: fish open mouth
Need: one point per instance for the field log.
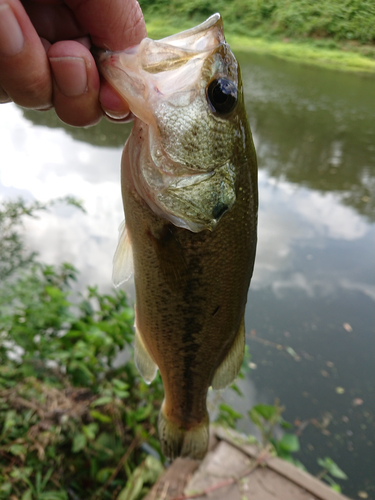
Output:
(192, 74)
(160, 58)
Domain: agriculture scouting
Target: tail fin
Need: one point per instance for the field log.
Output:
(179, 442)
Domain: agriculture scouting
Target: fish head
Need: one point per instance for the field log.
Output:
(187, 90)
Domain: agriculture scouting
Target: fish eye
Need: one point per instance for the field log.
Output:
(222, 95)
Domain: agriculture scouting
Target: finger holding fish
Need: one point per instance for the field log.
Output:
(45, 61)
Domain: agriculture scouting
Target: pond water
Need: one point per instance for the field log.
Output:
(310, 315)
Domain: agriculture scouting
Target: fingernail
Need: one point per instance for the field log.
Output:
(70, 75)
(11, 36)
(115, 115)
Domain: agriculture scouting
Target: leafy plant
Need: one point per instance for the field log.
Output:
(227, 416)
(330, 468)
(12, 249)
(268, 419)
(71, 425)
(346, 20)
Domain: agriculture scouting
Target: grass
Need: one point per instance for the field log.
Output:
(344, 56)
(306, 52)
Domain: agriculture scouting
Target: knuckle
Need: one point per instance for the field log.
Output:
(32, 90)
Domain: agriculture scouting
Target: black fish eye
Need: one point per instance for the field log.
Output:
(222, 95)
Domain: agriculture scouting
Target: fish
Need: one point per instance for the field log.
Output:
(189, 190)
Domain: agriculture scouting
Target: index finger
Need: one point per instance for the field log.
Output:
(113, 25)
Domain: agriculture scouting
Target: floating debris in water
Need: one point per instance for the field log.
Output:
(362, 494)
(357, 402)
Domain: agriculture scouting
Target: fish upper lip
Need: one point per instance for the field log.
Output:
(211, 22)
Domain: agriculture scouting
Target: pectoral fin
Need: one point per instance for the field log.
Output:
(123, 258)
(230, 367)
(146, 366)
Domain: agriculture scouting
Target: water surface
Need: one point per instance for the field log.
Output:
(310, 315)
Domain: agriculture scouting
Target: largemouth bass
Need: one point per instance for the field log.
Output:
(189, 188)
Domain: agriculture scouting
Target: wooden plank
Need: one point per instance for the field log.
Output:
(228, 473)
(292, 473)
(266, 484)
(172, 483)
(237, 470)
(219, 474)
(304, 479)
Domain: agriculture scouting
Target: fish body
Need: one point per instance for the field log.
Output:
(189, 188)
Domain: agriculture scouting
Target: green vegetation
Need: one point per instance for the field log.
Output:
(72, 425)
(268, 419)
(322, 32)
(331, 470)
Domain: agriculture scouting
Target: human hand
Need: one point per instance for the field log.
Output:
(45, 58)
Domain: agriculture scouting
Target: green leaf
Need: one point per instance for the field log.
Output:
(289, 443)
(104, 474)
(120, 388)
(54, 292)
(27, 495)
(80, 373)
(265, 411)
(119, 384)
(53, 495)
(336, 487)
(10, 420)
(121, 394)
(237, 390)
(46, 478)
(255, 417)
(332, 468)
(286, 425)
(147, 473)
(38, 480)
(104, 400)
(79, 442)
(229, 410)
(100, 416)
(90, 430)
(142, 413)
(6, 488)
(18, 449)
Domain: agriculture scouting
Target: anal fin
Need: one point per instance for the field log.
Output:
(230, 367)
(146, 366)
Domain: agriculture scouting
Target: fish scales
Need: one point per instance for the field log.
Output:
(189, 188)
